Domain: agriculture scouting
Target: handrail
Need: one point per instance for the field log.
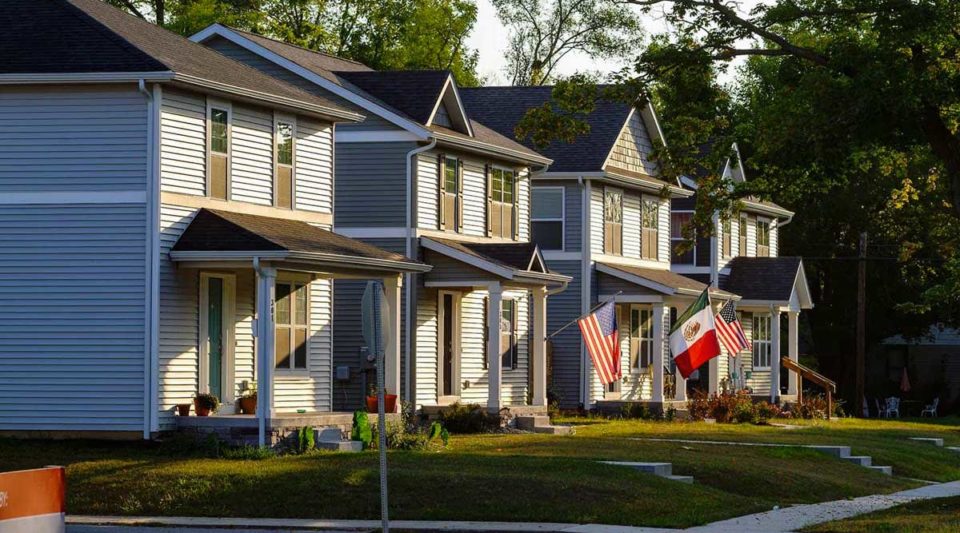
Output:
(807, 373)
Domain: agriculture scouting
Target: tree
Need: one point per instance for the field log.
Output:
(543, 32)
(189, 16)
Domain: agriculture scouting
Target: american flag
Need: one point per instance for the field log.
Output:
(729, 330)
(599, 330)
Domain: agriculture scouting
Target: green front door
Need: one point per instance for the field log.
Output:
(215, 335)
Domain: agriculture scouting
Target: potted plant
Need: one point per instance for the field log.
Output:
(389, 401)
(204, 404)
(183, 409)
(248, 401)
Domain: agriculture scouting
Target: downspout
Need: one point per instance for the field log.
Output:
(714, 255)
(585, 290)
(149, 375)
(258, 330)
(409, 278)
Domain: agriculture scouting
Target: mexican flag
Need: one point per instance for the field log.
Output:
(693, 337)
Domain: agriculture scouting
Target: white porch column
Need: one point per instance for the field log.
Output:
(266, 294)
(494, 359)
(680, 394)
(391, 356)
(658, 341)
(793, 347)
(774, 354)
(539, 347)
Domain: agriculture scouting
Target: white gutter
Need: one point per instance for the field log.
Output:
(409, 278)
(148, 375)
(261, 411)
(585, 267)
(86, 77)
(487, 147)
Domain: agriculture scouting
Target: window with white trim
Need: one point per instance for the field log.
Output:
(683, 250)
(742, 230)
(218, 151)
(283, 177)
(502, 203)
(763, 238)
(726, 239)
(650, 232)
(508, 334)
(291, 325)
(762, 341)
(546, 217)
(451, 193)
(641, 338)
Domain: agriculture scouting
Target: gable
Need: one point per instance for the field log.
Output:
(632, 148)
(449, 111)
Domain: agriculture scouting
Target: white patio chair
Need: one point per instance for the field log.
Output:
(893, 407)
(931, 409)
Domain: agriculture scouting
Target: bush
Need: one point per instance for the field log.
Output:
(305, 439)
(361, 431)
(745, 413)
(473, 418)
(671, 414)
(766, 411)
(400, 437)
(725, 407)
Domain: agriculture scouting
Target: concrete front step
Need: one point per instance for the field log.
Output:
(888, 470)
(657, 469)
(681, 479)
(530, 422)
(954, 448)
(553, 430)
(859, 460)
(332, 439)
(836, 451)
(929, 440)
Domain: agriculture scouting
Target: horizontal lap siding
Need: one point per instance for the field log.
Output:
(314, 165)
(774, 238)
(69, 139)
(426, 346)
(251, 176)
(596, 219)
(561, 309)
(371, 184)
(72, 329)
(313, 391)
(183, 159)
(632, 149)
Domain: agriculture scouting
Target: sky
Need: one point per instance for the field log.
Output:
(489, 38)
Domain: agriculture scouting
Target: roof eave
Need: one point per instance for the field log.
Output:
(336, 260)
(488, 148)
(84, 77)
(767, 209)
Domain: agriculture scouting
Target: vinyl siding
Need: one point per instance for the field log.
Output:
(89, 138)
(371, 184)
(72, 329)
(632, 225)
(632, 149)
(314, 165)
(183, 159)
(251, 177)
(313, 391)
(561, 309)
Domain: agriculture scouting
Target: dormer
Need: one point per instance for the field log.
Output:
(448, 111)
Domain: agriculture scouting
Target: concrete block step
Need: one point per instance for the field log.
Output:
(553, 430)
(657, 469)
(929, 440)
(860, 460)
(340, 445)
(836, 451)
(887, 470)
(682, 479)
(954, 448)
(529, 422)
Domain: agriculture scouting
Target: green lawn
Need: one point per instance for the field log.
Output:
(518, 477)
(931, 516)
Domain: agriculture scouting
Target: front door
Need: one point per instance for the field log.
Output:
(448, 371)
(217, 295)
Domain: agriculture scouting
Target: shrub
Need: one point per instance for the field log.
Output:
(698, 405)
(207, 400)
(247, 453)
(767, 411)
(745, 413)
(400, 437)
(473, 418)
(305, 439)
(671, 414)
(361, 431)
(724, 407)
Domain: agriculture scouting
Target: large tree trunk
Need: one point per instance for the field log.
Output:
(946, 146)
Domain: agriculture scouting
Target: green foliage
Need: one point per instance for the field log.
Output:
(361, 431)
(305, 439)
(731, 407)
(207, 400)
(470, 418)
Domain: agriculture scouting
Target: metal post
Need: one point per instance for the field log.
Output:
(381, 411)
(861, 322)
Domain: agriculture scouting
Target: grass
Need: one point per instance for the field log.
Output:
(513, 477)
(930, 516)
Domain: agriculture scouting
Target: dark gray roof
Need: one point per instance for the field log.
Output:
(224, 231)
(762, 278)
(501, 109)
(413, 92)
(514, 255)
(60, 36)
(667, 278)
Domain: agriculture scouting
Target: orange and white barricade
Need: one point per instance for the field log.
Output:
(33, 501)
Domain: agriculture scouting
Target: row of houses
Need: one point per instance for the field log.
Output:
(184, 216)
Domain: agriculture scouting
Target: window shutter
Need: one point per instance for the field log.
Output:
(516, 204)
(489, 193)
(460, 195)
(486, 333)
(442, 178)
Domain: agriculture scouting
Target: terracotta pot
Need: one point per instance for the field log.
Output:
(248, 405)
(183, 409)
(201, 410)
(389, 403)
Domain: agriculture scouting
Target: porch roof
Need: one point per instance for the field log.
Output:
(224, 235)
(775, 280)
(661, 280)
(520, 262)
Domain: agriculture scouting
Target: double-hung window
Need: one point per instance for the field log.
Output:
(218, 151)
(726, 239)
(283, 176)
(291, 333)
(683, 249)
(502, 203)
(451, 193)
(547, 217)
(742, 231)
(612, 222)
(651, 230)
(761, 341)
(508, 334)
(641, 338)
(763, 238)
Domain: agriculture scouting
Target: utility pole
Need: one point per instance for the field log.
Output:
(861, 322)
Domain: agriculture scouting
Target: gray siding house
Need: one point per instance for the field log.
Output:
(168, 211)
(420, 176)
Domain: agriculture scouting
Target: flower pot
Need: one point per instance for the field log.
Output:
(248, 405)
(201, 410)
(389, 403)
(183, 409)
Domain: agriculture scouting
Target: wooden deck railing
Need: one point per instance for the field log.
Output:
(828, 385)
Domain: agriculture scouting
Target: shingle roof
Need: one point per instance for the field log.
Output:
(73, 36)
(413, 92)
(762, 278)
(515, 256)
(224, 231)
(667, 278)
(501, 109)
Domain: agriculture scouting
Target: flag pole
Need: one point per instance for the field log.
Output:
(592, 309)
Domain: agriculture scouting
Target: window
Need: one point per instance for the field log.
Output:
(641, 338)
(451, 193)
(726, 238)
(650, 231)
(684, 250)
(508, 334)
(612, 222)
(547, 217)
(218, 158)
(283, 184)
(502, 203)
(291, 332)
(763, 238)
(742, 230)
(761, 341)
